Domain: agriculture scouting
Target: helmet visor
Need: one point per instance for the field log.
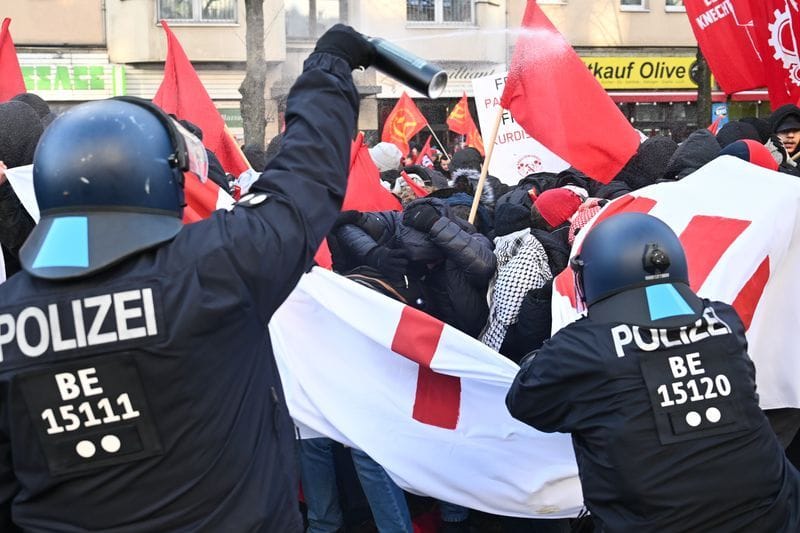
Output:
(196, 156)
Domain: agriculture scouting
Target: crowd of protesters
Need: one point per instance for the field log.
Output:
(491, 279)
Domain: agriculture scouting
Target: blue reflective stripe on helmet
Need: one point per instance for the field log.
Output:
(664, 301)
(65, 245)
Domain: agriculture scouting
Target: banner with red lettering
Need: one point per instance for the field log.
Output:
(742, 246)
(423, 399)
(777, 25)
(725, 32)
(516, 154)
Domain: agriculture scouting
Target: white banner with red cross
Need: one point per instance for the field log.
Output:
(740, 227)
(423, 399)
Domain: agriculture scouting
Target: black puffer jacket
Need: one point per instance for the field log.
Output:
(454, 262)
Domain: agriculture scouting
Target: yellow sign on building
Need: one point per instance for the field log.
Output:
(642, 72)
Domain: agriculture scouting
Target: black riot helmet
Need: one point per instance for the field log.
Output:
(108, 178)
(632, 268)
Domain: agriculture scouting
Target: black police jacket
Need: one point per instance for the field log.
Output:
(666, 428)
(146, 398)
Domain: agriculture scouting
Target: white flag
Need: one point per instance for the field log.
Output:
(424, 400)
(740, 227)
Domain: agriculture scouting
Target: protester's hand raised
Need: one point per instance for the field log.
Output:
(347, 43)
(391, 262)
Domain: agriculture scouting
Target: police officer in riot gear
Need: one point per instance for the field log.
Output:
(658, 391)
(138, 389)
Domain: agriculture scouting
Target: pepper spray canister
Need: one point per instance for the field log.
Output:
(409, 69)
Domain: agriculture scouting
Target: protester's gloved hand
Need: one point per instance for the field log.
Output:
(347, 217)
(345, 42)
(391, 262)
(778, 151)
(421, 217)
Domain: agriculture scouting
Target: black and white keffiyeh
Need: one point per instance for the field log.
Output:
(521, 266)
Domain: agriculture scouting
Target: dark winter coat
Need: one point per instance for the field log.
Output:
(454, 262)
(20, 129)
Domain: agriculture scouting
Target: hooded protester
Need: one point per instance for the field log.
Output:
(736, 131)
(468, 158)
(648, 163)
(698, 149)
(761, 125)
(20, 129)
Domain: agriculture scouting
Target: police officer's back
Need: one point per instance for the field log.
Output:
(659, 394)
(138, 390)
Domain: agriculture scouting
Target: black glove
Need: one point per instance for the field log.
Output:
(347, 217)
(421, 217)
(391, 262)
(345, 42)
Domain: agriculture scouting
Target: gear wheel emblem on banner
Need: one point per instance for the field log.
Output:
(789, 57)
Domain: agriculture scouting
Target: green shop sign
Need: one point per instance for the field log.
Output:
(103, 80)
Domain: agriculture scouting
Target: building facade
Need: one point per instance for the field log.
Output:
(642, 51)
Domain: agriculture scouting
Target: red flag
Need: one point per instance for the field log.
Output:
(727, 37)
(182, 94)
(777, 25)
(418, 191)
(403, 123)
(364, 192)
(364, 189)
(715, 126)
(425, 156)
(460, 121)
(11, 82)
(558, 101)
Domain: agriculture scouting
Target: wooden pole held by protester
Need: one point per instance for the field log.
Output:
(486, 160)
(438, 141)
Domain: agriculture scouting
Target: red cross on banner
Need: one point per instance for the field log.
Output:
(438, 398)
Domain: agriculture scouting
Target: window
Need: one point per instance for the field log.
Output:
(633, 5)
(675, 5)
(308, 19)
(198, 10)
(440, 11)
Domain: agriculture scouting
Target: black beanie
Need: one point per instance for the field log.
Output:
(20, 129)
(35, 101)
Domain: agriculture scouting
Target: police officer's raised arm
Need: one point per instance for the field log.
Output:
(271, 236)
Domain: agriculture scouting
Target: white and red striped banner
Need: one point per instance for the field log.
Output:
(424, 400)
(740, 227)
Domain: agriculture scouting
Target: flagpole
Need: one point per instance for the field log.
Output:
(485, 170)
(438, 141)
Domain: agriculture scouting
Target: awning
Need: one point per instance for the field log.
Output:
(683, 96)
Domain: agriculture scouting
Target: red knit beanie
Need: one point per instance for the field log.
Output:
(557, 205)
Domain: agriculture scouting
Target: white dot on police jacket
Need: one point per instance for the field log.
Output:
(713, 415)
(85, 449)
(111, 443)
(693, 418)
